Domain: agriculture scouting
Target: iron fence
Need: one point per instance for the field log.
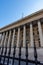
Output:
(19, 59)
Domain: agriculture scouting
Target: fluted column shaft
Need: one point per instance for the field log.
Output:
(5, 39)
(24, 36)
(18, 37)
(31, 35)
(13, 38)
(9, 39)
(40, 33)
(2, 39)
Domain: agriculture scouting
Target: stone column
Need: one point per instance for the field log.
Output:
(0, 36)
(13, 38)
(31, 35)
(9, 39)
(18, 37)
(2, 39)
(24, 36)
(5, 39)
(40, 33)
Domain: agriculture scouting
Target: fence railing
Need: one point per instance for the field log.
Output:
(19, 59)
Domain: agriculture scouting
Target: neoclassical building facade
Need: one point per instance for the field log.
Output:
(26, 30)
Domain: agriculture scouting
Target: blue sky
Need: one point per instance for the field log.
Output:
(12, 10)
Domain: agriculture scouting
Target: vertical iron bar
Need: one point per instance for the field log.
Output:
(8, 55)
(5, 51)
(9, 50)
(19, 53)
(14, 55)
(35, 52)
(5, 55)
(26, 54)
(1, 52)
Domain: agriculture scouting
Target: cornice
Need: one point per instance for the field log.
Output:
(23, 19)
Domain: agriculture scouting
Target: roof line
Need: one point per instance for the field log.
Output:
(23, 18)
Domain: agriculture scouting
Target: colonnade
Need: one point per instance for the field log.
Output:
(5, 36)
